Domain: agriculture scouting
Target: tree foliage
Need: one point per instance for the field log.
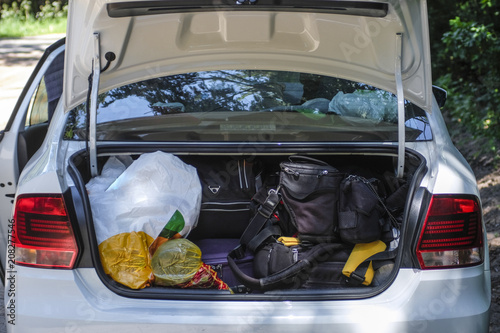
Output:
(33, 9)
(465, 47)
(466, 51)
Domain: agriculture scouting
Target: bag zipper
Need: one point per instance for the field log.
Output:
(242, 175)
(295, 254)
(297, 174)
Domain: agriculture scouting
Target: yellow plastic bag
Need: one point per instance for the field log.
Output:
(125, 257)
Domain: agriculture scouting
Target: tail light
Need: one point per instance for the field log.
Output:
(43, 236)
(452, 235)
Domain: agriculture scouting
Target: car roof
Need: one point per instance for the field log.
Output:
(366, 41)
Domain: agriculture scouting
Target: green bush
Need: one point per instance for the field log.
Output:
(52, 10)
(18, 18)
(25, 10)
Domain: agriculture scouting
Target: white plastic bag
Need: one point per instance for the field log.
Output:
(145, 196)
(111, 170)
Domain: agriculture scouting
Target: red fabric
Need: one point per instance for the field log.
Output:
(205, 278)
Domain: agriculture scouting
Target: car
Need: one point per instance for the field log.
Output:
(160, 149)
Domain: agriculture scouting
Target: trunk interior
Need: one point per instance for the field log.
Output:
(233, 187)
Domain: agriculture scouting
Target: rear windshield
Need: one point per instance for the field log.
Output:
(243, 105)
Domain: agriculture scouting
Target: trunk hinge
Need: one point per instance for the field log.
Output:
(94, 94)
(401, 106)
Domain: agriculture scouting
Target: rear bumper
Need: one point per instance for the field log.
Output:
(77, 301)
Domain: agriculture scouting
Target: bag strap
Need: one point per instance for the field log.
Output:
(363, 253)
(269, 282)
(265, 233)
(381, 256)
(359, 275)
(251, 238)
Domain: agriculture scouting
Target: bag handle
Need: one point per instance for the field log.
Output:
(272, 281)
(288, 275)
(303, 159)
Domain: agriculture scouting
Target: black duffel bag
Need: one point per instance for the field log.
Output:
(325, 264)
(228, 185)
(276, 266)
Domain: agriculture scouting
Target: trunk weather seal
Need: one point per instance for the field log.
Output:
(139, 8)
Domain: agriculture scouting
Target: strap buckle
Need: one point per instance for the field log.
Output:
(238, 252)
(268, 207)
(355, 279)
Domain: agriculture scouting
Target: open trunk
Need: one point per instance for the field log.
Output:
(230, 184)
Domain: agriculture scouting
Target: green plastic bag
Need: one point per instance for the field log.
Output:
(175, 262)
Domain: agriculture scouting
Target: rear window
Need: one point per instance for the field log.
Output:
(243, 105)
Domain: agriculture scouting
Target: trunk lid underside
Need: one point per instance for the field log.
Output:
(360, 45)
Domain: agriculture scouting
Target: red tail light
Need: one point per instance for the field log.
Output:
(452, 235)
(43, 236)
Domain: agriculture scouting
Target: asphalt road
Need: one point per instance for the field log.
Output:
(18, 57)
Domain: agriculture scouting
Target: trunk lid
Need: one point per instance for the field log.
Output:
(365, 41)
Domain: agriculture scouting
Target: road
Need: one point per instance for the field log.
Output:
(18, 57)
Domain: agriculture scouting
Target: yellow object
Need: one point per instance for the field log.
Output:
(176, 262)
(289, 241)
(125, 257)
(359, 254)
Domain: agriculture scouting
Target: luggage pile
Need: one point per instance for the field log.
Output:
(235, 224)
(331, 229)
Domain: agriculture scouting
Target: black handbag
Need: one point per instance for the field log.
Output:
(362, 211)
(310, 192)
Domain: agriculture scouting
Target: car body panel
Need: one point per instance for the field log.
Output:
(9, 143)
(442, 157)
(348, 46)
(457, 304)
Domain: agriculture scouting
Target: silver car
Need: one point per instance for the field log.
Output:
(232, 89)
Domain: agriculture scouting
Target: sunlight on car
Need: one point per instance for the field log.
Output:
(250, 166)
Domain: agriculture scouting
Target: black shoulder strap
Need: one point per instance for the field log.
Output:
(250, 237)
(385, 255)
(358, 275)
